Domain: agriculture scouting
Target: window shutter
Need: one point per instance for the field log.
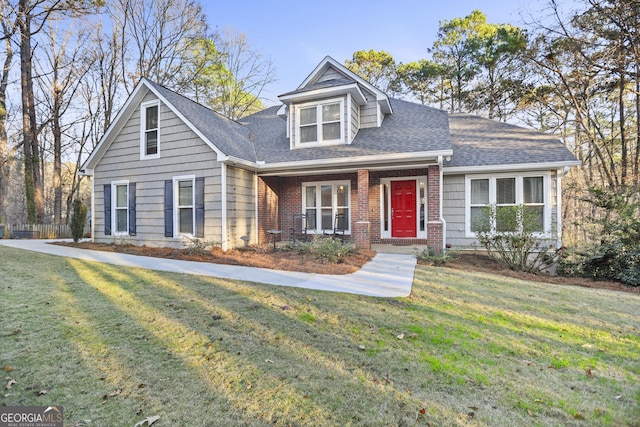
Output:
(107, 209)
(132, 209)
(168, 208)
(199, 199)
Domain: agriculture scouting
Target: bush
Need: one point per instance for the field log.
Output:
(616, 255)
(508, 235)
(329, 249)
(197, 246)
(78, 219)
(435, 257)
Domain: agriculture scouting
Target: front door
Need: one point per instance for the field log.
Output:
(403, 208)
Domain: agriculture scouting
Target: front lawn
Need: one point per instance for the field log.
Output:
(116, 346)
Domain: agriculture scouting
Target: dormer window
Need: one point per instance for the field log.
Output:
(150, 130)
(320, 123)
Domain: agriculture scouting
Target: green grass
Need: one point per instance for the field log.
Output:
(115, 346)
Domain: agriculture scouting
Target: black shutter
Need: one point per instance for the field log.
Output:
(132, 209)
(168, 208)
(107, 209)
(199, 207)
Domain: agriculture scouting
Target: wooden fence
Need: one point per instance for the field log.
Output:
(36, 231)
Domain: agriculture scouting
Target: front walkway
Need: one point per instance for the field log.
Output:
(386, 275)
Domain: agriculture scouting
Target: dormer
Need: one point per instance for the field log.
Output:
(331, 106)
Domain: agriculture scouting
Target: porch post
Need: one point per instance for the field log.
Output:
(361, 227)
(434, 221)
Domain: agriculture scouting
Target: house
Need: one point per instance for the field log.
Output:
(168, 169)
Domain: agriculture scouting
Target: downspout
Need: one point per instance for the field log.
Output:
(257, 221)
(444, 223)
(223, 201)
(559, 176)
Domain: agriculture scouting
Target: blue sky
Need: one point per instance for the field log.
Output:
(297, 34)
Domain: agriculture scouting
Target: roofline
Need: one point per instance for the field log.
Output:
(342, 163)
(509, 167)
(381, 97)
(310, 95)
(144, 82)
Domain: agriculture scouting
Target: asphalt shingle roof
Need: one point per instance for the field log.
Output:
(478, 141)
(412, 128)
(228, 136)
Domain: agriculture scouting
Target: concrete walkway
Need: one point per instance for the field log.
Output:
(386, 275)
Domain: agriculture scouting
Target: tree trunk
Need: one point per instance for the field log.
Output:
(34, 190)
(4, 143)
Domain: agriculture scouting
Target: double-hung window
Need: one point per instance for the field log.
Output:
(320, 122)
(505, 193)
(185, 212)
(120, 208)
(322, 201)
(150, 130)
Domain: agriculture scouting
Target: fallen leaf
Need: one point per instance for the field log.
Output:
(42, 392)
(578, 416)
(588, 372)
(401, 336)
(8, 368)
(362, 347)
(618, 397)
(10, 383)
(413, 336)
(148, 420)
(475, 408)
(269, 361)
(471, 414)
(115, 393)
(423, 411)
(249, 386)
(142, 385)
(529, 412)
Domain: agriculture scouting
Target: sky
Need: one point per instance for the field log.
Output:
(297, 34)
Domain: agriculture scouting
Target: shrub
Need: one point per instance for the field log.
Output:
(508, 235)
(329, 249)
(436, 257)
(197, 246)
(78, 219)
(616, 255)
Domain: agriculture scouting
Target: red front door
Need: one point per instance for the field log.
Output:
(403, 208)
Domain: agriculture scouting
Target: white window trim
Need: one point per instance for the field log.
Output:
(176, 199)
(386, 234)
(334, 207)
(318, 105)
(114, 208)
(143, 121)
(546, 234)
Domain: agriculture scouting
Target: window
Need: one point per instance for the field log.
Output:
(322, 201)
(120, 208)
(150, 130)
(320, 123)
(185, 206)
(506, 193)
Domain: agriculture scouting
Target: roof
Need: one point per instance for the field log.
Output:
(228, 136)
(479, 142)
(413, 128)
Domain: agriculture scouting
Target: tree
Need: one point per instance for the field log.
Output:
(376, 67)
(455, 49)
(242, 78)
(420, 79)
(9, 27)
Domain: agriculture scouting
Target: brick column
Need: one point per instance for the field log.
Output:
(361, 227)
(434, 224)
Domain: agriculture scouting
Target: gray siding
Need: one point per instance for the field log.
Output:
(182, 153)
(369, 112)
(330, 74)
(453, 210)
(241, 207)
(355, 120)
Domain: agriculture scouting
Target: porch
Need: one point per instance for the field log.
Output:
(399, 209)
